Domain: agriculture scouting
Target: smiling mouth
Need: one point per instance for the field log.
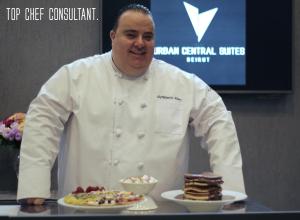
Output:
(138, 53)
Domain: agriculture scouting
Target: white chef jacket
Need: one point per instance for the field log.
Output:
(106, 126)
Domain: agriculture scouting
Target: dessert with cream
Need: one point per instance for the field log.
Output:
(140, 179)
(206, 186)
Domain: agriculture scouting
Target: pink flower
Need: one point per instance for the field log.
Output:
(11, 128)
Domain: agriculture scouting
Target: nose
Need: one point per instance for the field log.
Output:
(139, 41)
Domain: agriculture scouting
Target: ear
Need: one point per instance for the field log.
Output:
(112, 35)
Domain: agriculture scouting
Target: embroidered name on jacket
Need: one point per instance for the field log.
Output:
(169, 97)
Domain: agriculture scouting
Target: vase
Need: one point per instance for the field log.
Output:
(15, 159)
(9, 166)
(8, 173)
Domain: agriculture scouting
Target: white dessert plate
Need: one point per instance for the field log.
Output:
(107, 208)
(204, 206)
(237, 195)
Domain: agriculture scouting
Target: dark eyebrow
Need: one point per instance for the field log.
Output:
(150, 32)
(130, 31)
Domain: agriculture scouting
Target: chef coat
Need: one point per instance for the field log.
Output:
(105, 126)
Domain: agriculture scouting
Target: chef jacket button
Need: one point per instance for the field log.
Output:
(141, 135)
(140, 165)
(145, 78)
(118, 132)
(121, 102)
(143, 105)
(116, 162)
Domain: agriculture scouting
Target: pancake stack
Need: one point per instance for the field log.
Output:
(206, 186)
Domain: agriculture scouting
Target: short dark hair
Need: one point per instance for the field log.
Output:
(131, 7)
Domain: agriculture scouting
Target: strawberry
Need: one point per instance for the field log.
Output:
(79, 189)
(91, 188)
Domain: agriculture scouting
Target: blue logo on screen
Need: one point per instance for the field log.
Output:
(205, 37)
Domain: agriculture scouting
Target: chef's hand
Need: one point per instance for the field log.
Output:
(35, 201)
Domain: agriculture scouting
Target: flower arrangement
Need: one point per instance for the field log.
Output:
(11, 129)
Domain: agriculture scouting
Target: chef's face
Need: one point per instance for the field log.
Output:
(133, 43)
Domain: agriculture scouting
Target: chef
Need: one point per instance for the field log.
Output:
(124, 113)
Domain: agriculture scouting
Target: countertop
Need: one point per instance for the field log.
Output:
(247, 209)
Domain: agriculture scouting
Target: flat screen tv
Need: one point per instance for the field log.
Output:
(235, 46)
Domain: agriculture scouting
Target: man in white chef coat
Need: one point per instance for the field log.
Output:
(124, 113)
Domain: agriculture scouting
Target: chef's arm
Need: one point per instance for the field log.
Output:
(44, 125)
(214, 124)
(222, 144)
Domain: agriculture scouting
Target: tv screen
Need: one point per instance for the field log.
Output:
(235, 46)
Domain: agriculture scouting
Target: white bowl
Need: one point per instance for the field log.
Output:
(138, 188)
